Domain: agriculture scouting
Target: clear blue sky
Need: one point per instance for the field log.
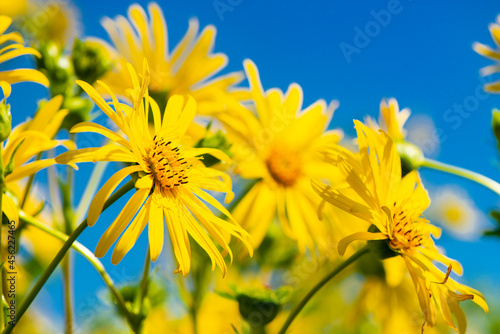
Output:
(421, 54)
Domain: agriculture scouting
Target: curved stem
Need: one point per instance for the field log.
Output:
(60, 255)
(318, 286)
(87, 254)
(2, 181)
(473, 176)
(142, 292)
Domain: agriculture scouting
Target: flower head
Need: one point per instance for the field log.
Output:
(171, 183)
(393, 205)
(493, 54)
(456, 212)
(391, 119)
(279, 147)
(188, 69)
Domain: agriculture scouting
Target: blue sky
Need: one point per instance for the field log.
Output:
(418, 52)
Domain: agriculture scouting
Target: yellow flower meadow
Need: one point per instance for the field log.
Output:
(188, 69)
(279, 148)
(394, 205)
(493, 54)
(15, 49)
(171, 178)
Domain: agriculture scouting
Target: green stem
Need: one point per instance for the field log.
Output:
(29, 185)
(2, 183)
(142, 293)
(68, 293)
(318, 286)
(60, 255)
(473, 176)
(68, 229)
(87, 254)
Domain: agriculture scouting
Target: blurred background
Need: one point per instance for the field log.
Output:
(420, 54)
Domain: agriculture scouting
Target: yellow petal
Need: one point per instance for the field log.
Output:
(121, 222)
(131, 234)
(29, 169)
(22, 75)
(102, 195)
(362, 236)
(179, 237)
(94, 154)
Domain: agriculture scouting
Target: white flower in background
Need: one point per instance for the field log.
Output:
(453, 209)
(422, 132)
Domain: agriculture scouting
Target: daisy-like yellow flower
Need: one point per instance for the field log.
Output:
(172, 178)
(26, 141)
(278, 148)
(493, 54)
(15, 49)
(391, 119)
(394, 206)
(188, 69)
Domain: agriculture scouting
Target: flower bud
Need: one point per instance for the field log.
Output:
(79, 111)
(56, 67)
(495, 124)
(259, 306)
(217, 140)
(411, 155)
(5, 121)
(90, 62)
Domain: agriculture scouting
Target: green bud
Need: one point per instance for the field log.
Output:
(5, 120)
(259, 306)
(90, 62)
(217, 140)
(495, 124)
(411, 155)
(79, 111)
(56, 66)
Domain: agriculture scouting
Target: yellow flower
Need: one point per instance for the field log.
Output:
(171, 178)
(188, 69)
(494, 54)
(394, 205)
(279, 149)
(26, 141)
(13, 8)
(15, 49)
(391, 119)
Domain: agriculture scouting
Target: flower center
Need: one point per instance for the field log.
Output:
(406, 232)
(284, 165)
(166, 164)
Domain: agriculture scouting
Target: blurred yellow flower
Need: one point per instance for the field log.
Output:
(456, 212)
(171, 178)
(280, 149)
(15, 49)
(394, 205)
(188, 69)
(493, 54)
(391, 119)
(45, 20)
(13, 8)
